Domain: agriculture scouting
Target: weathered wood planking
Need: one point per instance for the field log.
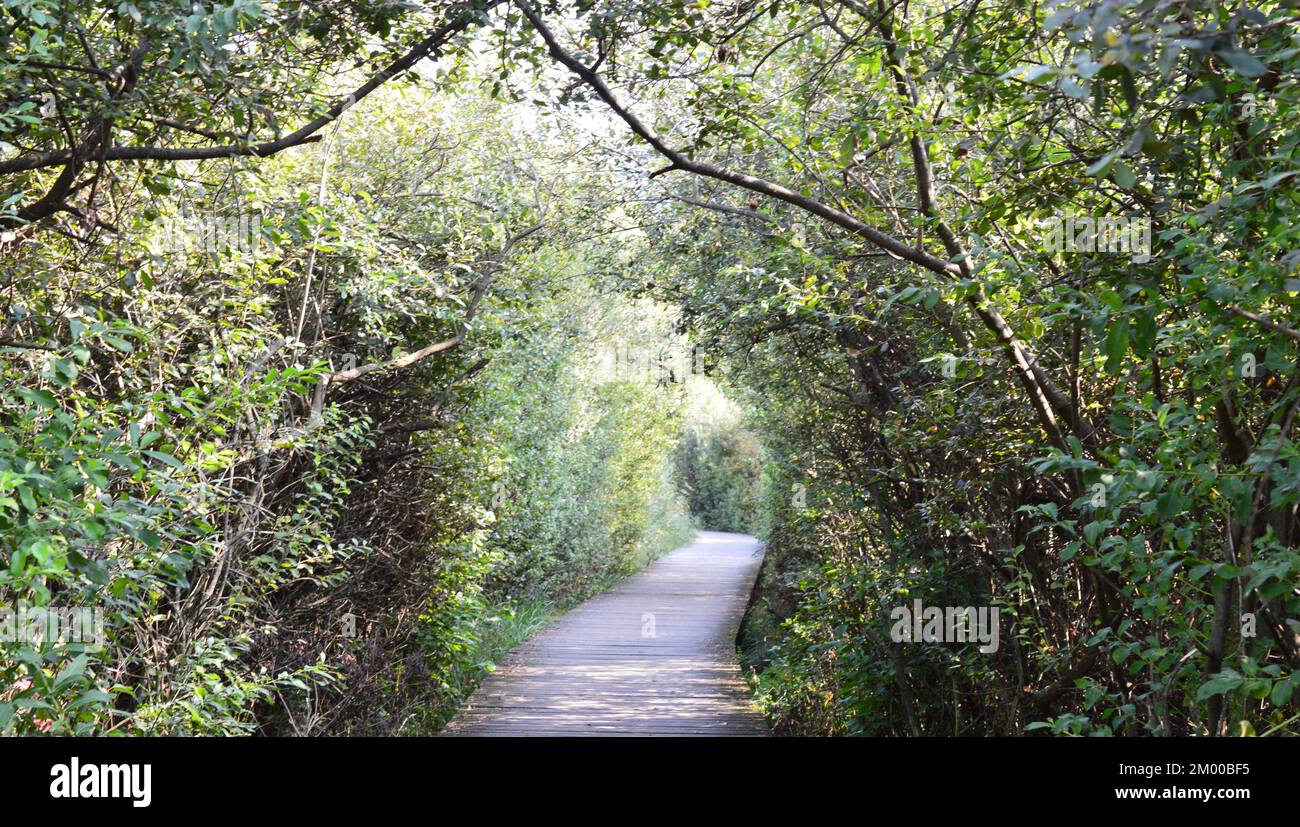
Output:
(655, 655)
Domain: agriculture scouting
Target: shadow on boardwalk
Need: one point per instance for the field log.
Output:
(655, 655)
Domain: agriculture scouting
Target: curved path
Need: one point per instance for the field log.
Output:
(655, 655)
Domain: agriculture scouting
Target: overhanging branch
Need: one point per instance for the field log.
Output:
(678, 161)
(1047, 399)
(303, 135)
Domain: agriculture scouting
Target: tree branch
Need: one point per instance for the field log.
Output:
(481, 286)
(303, 135)
(1290, 333)
(1047, 399)
(724, 208)
(678, 161)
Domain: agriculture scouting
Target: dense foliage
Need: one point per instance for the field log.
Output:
(319, 481)
(719, 468)
(213, 433)
(1095, 439)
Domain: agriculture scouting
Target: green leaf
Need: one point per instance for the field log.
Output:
(1102, 166)
(1168, 505)
(29, 500)
(1124, 175)
(1282, 691)
(38, 397)
(118, 343)
(71, 672)
(92, 696)
(1144, 334)
(1129, 88)
(1092, 531)
(1116, 345)
(847, 148)
(1224, 681)
(1244, 63)
(164, 458)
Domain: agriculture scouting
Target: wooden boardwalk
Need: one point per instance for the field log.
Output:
(655, 655)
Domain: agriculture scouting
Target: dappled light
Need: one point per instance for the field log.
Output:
(664, 368)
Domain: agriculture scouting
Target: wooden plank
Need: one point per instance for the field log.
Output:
(653, 656)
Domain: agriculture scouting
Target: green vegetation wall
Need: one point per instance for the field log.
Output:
(316, 438)
(718, 465)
